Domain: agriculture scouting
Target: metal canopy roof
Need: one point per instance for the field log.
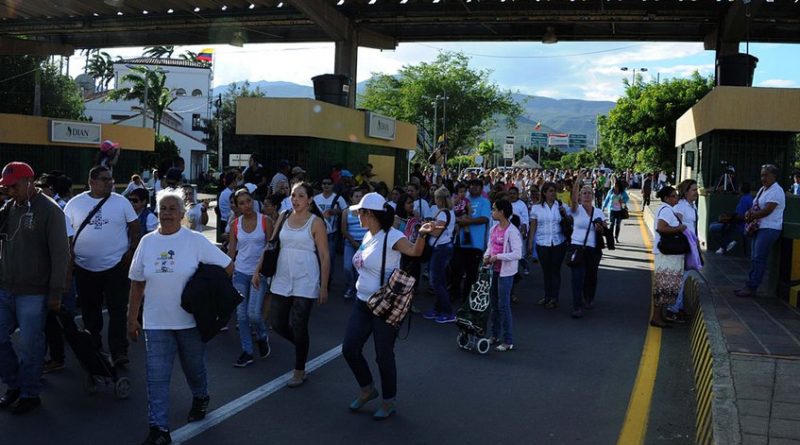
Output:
(97, 24)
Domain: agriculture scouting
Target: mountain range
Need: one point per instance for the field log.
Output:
(574, 116)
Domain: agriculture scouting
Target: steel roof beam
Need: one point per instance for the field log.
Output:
(18, 47)
(339, 27)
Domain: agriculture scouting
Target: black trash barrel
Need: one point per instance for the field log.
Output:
(332, 88)
(736, 70)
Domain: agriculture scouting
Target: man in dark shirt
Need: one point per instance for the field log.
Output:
(33, 275)
(254, 174)
(647, 189)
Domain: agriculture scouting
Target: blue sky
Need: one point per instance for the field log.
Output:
(565, 70)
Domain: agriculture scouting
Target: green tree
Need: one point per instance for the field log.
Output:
(462, 161)
(159, 52)
(226, 114)
(471, 106)
(101, 68)
(639, 132)
(165, 151)
(488, 150)
(579, 159)
(159, 97)
(60, 96)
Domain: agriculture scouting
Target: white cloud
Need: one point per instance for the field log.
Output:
(650, 52)
(777, 83)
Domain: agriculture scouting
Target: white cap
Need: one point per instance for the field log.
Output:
(371, 201)
(250, 187)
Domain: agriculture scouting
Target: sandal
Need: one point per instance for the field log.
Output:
(656, 324)
(674, 318)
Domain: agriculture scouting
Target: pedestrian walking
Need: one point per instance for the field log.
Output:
(442, 244)
(647, 189)
(249, 235)
(107, 232)
(503, 254)
(668, 269)
(352, 234)
(588, 221)
(33, 277)
(301, 277)
(147, 219)
(331, 205)
(765, 222)
(548, 239)
(616, 204)
(376, 217)
(472, 242)
(164, 262)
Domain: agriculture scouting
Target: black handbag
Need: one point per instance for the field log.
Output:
(624, 214)
(428, 251)
(269, 261)
(673, 243)
(575, 254)
(567, 224)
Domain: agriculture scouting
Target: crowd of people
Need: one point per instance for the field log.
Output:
(113, 250)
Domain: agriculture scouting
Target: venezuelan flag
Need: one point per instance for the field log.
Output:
(206, 55)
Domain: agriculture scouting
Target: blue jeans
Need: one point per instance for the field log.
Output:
(501, 307)
(361, 325)
(440, 258)
(249, 313)
(584, 278)
(762, 244)
(350, 272)
(161, 346)
(22, 369)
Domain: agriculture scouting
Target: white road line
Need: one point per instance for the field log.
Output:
(234, 407)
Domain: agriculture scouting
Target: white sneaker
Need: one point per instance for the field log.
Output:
(720, 251)
(730, 246)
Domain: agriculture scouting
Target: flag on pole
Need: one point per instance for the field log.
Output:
(206, 55)
(538, 126)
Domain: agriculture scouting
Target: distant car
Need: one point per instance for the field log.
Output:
(477, 170)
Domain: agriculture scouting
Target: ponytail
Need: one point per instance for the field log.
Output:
(385, 217)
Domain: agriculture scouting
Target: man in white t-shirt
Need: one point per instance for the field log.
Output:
(331, 205)
(421, 207)
(104, 246)
(520, 209)
(767, 210)
(284, 167)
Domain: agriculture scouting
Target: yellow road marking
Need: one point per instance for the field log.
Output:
(634, 429)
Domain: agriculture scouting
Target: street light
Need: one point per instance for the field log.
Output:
(147, 71)
(633, 76)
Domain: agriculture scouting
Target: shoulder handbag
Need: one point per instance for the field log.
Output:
(269, 261)
(428, 251)
(392, 300)
(575, 254)
(624, 214)
(752, 227)
(86, 223)
(674, 243)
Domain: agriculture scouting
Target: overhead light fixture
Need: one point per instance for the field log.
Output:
(549, 36)
(115, 3)
(96, 14)
(372, 2)
(145, 12)
(196, 9)
(170, 11)
(119, 12)
(280, 5)
(224, 7)
(238, 39)
(252, 6)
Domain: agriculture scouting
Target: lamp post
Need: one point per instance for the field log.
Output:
(633, 75)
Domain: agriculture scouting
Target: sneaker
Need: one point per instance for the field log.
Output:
(720, 251)
(446, 318)
(730, 246)
(120, 359)
(157, 437)
(514, 299)
(199, 409)
(298, 378)
(745, 292)
(25, 404)
(430, 315)
(244, 360)
(542, 301)
(552, 304)
(504, 347)
(264, 348)
(224, 329)
(526, 272)
(577, 313)
(9, 398)
(52, 366)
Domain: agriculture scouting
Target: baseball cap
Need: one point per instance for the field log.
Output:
(251, 188)
(371, 201)
(108, 145)
(283, 163)
(297, 171)
(346, 174)
(14, 171)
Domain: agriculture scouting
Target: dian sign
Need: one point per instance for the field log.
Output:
(380, 127)
(71, 132)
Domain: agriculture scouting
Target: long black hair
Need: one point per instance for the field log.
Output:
(401, 205)
(310, 193)
(385, 217)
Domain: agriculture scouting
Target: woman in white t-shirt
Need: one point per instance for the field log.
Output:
(377, 217)
(767, 212)
(686, 210)
(588, 224)
(668, 269)
(249, 234)
(442, 243)
(164, 262)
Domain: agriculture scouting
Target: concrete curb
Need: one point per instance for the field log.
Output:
(711, 351)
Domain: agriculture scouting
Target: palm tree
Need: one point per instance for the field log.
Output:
(159, 52)
(189, 55)
(159, 97)
(88, 52)
(101, 67)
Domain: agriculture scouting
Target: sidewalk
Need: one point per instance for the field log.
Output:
(755, 349)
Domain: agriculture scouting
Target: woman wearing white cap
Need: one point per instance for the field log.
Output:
(377, 217)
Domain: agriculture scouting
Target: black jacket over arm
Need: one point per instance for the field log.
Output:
(211, 298)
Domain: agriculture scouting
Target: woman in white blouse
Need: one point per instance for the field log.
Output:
(668, 269)
(686, 210)
(551, 244)
(588, 223)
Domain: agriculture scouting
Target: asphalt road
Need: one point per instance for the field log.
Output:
(567, 381)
